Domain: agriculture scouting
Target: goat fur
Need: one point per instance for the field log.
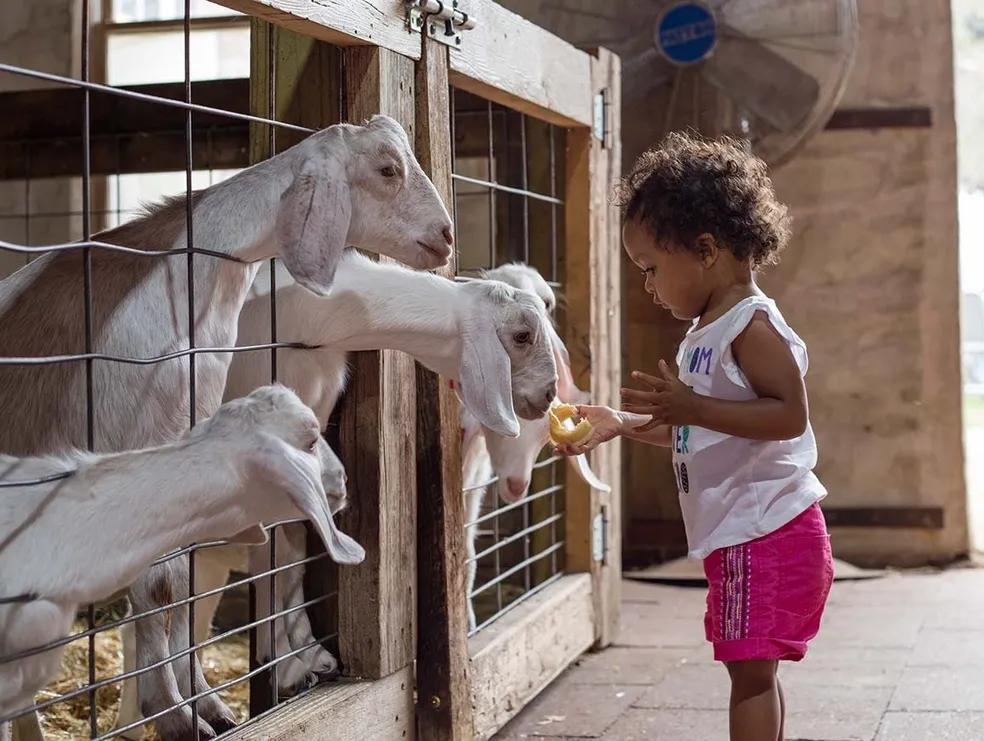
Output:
(344, 185)
(456, 329)
(507, 463)
(256, 460)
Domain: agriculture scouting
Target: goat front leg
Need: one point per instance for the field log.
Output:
(129, 710)
(293, 675)
(210, 707)
(317, 658)
(158, 688)
(26, 728)
(473, 507)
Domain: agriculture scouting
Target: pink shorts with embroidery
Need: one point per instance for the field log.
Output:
(765, 598)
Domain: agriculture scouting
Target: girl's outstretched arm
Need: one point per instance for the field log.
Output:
(780, 413)
(608, 423)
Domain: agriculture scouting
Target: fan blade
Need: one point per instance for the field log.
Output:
(761, 80)
(645, 71)
(780, 19)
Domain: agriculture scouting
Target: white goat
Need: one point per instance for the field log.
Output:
(344, 185)
(486, 455)
(256, 460)
(495, 341)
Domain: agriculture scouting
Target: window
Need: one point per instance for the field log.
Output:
(145, 45)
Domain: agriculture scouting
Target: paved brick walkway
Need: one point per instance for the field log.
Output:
(898, 659)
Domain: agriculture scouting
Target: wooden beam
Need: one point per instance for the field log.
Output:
(381, 23)
(925, 518)
(592, 281)
(656, 540)
(511, 61)
(443, 701)
(125, 154)
(357, 711)
(378, 597)
(880, 117)
(521, 653)
(41, 114)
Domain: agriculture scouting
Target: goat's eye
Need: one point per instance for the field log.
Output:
(313, 445)
(388, 172)
(522, 337)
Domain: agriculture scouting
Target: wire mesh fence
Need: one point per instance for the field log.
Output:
(53, 208)
(508, 180)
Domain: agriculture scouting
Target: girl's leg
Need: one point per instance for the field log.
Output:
(756, 705)
(782, 710)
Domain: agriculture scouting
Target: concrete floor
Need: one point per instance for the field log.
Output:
(898, 659)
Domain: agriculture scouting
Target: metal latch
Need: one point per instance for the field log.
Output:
(442, 20)
(599, 536)
(601, 116)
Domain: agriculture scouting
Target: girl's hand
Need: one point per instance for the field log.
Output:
(670, 401)
(606, 424)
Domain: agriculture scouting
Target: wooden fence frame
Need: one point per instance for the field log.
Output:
(399, 429)
(405, 603)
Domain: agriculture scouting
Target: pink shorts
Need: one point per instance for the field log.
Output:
(765, 598)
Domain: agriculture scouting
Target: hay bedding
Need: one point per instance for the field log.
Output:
(69, 721)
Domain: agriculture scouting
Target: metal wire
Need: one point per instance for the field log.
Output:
(513, 551)
(27, 653)
(133, 94)
(194, 257)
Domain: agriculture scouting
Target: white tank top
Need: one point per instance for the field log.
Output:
(733, 489)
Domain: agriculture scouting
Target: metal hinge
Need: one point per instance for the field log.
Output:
(599, 536)
(442, 20)
(601, 116)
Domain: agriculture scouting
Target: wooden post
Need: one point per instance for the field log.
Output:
(295, 79)
(377, 600)
(444, 711)
(593, 282)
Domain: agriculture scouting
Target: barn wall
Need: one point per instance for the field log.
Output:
(870, 282)
(41, 35)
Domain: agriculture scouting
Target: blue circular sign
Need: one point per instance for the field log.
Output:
(686, 33)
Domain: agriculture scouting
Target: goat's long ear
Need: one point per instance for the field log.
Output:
(313, 223)
(299, 475)
(567, 390)
(583, 468)
(485, 377)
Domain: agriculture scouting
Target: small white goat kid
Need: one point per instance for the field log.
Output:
(344, 185)
(486, 455)
(494, 340)
(256, 460)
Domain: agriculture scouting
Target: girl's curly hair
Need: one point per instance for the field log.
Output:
(689, 185)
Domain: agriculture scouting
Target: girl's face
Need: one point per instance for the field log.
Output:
(676, 279)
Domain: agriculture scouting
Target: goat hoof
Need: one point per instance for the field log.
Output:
(329, 675)
(217, 714)
(181, 728)
(306, 682)
(221, 725)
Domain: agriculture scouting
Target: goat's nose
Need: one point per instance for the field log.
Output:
(448, 235)
(517, 487)
(551, 393)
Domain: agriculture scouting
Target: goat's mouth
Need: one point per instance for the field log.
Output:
(508, 497)
(435, 256)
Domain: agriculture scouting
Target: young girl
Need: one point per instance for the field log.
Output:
(700, 218)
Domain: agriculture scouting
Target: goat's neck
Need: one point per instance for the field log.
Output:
(137, 497)
(237, 216)
(377, 306)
